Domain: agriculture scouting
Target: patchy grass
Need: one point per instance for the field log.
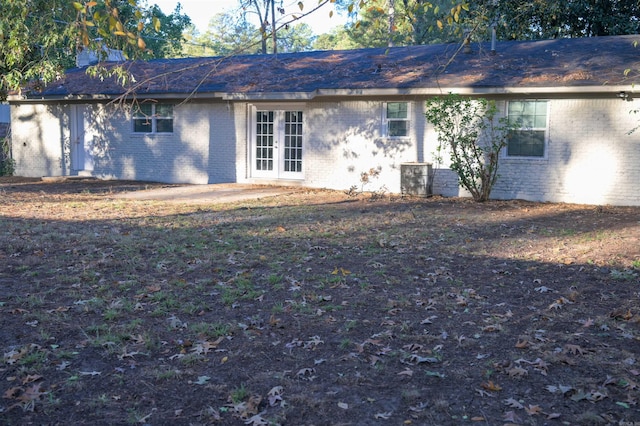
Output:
(314, 308)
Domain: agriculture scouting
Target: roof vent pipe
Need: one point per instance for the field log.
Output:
(493, 39)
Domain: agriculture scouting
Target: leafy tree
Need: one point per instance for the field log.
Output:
(295, 38)
(469, 130)
(435, 21)
(336, 39)
(543, 19)
(227, 33)
(265, 9)
(40, 38)
(166, 41)
(408, 22)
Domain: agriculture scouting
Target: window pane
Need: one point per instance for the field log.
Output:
(164, 125)
(397, 110)
(144, 110)
(515, 108)
(540, 121)
(526, 121)
(142, 125)
(398, 128)
(526, 143)
(531, 118)
(164, 110)
(529, 108)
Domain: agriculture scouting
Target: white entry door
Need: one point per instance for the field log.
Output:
(81, 140)
(277, 144)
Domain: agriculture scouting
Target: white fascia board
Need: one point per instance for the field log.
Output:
(272, 96)
(320, 93)
(478, 91)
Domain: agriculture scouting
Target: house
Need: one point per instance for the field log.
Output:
(322, 119)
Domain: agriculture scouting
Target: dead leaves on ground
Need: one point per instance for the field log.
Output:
(24, 396)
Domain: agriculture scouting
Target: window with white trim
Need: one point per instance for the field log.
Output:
(396, 119)
(153, 118)
(530, 136)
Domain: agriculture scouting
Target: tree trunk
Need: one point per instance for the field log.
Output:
(274, 38)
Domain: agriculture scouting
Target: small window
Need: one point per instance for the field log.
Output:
(396, 117)
(153, 118)
(529, 139)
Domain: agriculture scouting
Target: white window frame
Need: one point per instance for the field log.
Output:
(153, 118)
(386, 120)
(544, 129)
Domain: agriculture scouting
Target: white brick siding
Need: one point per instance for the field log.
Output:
(40, 140)
(590, 158)
(344, 140)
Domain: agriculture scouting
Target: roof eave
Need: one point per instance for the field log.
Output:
(479, 91)
(326, 93)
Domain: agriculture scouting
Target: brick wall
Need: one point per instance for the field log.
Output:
(590, 158)
(345, 139)
(40, 140)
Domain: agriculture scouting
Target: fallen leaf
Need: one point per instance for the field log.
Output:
(275, 395)
(587, 323)
(511, 402)
(417, 359)
(13, 392)
(14, 356)
(482, 392)
(574, 349)
(490, 386)
(202, 380)
(621, 314)
(559, 389)
(306, 373)
(517, 372)
(256, 420)
(31, 378)
(32, 393)
(383, 416)
(510, 416)
(533, 410)
(406, 372)
(204, 347)
(58, 309)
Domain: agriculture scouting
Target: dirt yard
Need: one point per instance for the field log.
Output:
(314, 308)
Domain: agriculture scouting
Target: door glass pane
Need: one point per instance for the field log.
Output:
(293, 142)
(264, 140)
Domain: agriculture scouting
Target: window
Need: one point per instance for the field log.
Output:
(396, 118)
(529, 139)
(153, 118)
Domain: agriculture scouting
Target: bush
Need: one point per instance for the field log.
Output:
(469, 130)
(7, 164)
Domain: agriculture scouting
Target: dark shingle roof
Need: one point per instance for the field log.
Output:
(556, 63)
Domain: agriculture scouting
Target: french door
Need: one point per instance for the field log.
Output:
(277, 144)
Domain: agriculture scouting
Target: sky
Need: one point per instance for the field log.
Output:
(201, 11)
